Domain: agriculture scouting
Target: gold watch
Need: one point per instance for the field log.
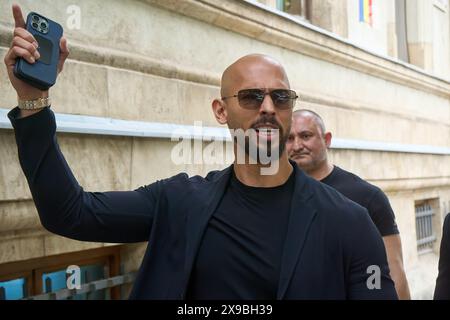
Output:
(35, 104)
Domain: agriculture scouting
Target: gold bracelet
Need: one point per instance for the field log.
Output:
(35, 104)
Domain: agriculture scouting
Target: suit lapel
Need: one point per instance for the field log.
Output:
(301, 216)
(197, 221)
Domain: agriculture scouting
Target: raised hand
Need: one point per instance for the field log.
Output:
(24, 45)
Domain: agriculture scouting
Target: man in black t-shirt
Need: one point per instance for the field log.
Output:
(367, 195)
(307, 145)
(442, 290)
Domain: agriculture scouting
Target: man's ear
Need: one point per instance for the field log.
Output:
(220, 112)
(328, 137)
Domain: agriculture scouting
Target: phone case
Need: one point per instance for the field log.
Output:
(42, 74)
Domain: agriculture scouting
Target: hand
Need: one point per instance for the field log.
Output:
(24, 45)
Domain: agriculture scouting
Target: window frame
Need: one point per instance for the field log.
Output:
(33, 269)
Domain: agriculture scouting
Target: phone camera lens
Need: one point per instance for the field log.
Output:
(35, 18)
(43, 25)
(35, 25)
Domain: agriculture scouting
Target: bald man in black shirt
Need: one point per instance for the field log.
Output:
(442, 290)
(307, 145)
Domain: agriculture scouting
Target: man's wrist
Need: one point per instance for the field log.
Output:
(33, 96)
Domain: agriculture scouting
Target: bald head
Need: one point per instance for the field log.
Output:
(310, 114)
(248, 67)
(308, 143)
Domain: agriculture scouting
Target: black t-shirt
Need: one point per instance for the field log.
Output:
(240, 253)
(442, 289)
(366, 195)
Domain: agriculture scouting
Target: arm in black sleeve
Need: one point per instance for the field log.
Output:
(382, 214)
(368, 274)
(442, 290)
(64, 208)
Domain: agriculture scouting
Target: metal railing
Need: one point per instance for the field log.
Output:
(86, 288)
(424, 228)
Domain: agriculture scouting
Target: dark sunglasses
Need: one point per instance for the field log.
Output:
(252, 98)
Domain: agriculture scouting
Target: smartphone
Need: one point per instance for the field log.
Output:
(41, 74)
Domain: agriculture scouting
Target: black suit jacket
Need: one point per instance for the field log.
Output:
(442, 290)
(331, 243)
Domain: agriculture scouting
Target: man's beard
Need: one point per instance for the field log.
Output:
(252, 143)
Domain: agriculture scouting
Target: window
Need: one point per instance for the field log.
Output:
(400, 29)
(44, 277)
(57, 280)
(298, 8)
(13, 289)
(425, 230)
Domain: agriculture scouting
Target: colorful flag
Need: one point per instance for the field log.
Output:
(365, 11)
